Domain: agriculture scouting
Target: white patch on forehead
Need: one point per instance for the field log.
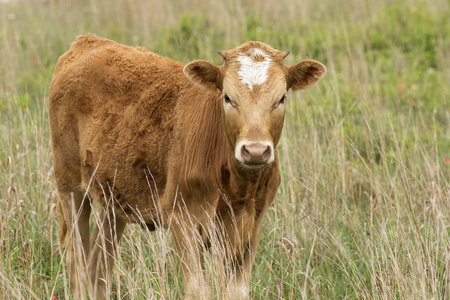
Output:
(253, 72)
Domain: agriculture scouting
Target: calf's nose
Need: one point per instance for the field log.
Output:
(255, 153)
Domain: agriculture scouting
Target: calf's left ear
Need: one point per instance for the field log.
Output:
(204, 74)
(305, 74)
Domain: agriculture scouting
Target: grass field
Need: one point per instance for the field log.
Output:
(363, 211)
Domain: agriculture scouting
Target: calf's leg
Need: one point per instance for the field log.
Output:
(241, 266)
(104, 241)
(75, 210)
(186, 224)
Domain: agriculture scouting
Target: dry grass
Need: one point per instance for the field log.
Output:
(363, 210)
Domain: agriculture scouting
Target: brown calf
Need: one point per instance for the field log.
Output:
(152, 141)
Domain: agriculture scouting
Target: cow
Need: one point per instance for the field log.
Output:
(139, 138)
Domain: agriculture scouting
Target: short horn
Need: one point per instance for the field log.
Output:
(223, 54)
(284, 54)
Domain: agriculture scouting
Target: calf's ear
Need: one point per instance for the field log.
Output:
(204, 74)
(305, 74)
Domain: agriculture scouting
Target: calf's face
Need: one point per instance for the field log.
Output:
(253, 82)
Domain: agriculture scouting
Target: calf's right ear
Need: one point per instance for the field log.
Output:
(204, 74)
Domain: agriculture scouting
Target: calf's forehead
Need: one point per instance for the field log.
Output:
(254, 69)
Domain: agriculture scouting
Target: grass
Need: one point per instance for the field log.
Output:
(363, 209)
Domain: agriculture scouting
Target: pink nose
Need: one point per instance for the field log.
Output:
(255, 153)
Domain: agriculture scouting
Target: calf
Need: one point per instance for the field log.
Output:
(152, 141)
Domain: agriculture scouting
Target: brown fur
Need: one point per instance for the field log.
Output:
(153, 146)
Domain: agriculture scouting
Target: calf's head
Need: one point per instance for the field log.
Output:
(253, 82)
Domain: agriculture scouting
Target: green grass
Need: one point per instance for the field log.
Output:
(363, 209)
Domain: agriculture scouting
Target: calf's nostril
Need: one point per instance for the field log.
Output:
(266, 154)
(245, 153)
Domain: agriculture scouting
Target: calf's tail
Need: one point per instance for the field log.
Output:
(62, 224)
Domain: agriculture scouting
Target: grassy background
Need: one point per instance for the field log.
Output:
(363, 210)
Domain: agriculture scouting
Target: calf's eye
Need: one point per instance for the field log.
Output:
(281, 100)
(228, 101)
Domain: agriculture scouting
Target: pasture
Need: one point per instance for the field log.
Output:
(363, 211)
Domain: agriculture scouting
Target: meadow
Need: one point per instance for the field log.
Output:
(363, 211)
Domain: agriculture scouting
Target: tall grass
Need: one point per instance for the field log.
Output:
(363, 209)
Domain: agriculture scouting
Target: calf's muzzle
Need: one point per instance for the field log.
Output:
(255, 154)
